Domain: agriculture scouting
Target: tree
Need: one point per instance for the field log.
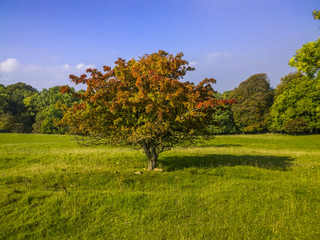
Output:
(224, 122)
(143, 102)
(223, 118)
(48, 113)
(316, 14)
(296, 108)
(18, 118)
(254, 98)
(4, 99)
(307, 58)
(7, 123)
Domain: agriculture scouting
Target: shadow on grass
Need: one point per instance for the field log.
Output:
(227, 145)
(219, 146)
(216, 160)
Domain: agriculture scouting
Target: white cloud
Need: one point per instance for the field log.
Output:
(9, 65)
(216, 55)
(192, 63)
(81, 66)
(66, 66)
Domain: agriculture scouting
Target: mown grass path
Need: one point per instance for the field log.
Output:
(233, 187)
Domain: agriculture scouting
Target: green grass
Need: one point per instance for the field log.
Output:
(232, 187)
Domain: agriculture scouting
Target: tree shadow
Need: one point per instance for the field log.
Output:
(227, 145)
(216, 160)
(220, 146)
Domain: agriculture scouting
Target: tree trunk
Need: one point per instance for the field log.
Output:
(152, 164)
(152, 154)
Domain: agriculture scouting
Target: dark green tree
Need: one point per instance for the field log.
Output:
(15, 116)
(224, 120)
(48, 113)
(7, 122)
(4, 99)
(254, 98)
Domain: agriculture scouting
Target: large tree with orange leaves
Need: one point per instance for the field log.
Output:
(143, 102)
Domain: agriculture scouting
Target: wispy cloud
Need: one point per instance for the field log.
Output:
(78, 67)
(217, 55)
(66, 66)
(193, 63)
(12, 71)
(81, 66)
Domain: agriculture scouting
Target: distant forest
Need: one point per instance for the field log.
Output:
(293, 107)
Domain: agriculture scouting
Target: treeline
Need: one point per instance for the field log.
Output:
(25, 110)
(293, 107)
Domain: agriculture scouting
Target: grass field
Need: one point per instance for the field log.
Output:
(232, 187)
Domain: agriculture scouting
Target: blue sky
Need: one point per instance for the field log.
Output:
(43, 41)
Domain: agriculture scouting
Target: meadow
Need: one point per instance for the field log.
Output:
(232, 187)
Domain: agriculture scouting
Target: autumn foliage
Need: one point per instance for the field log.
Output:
(143, 102)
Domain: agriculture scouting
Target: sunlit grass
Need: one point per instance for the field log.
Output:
(233, 187)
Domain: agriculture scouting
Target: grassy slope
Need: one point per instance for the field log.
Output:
(234, 187)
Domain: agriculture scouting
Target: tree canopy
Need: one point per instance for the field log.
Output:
(254, 98)
(48, 113)
(144, 102)
(307, 58)
(296, 108)
(14, 115)
(223, 118)
(316, 14)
